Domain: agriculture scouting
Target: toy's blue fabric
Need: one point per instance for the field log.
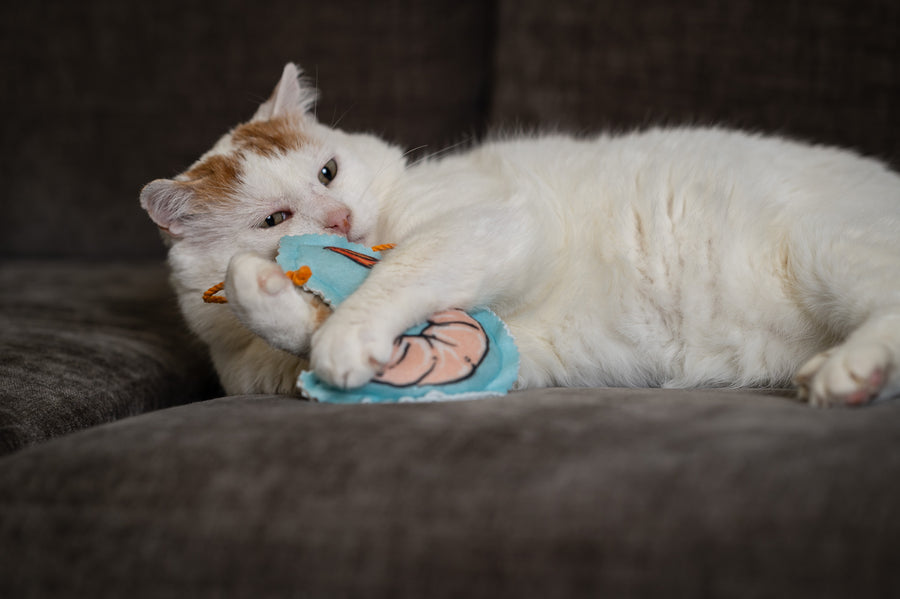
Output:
(338, 268)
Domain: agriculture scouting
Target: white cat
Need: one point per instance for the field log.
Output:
(669, 257)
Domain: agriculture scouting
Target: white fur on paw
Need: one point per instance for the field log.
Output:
(251, 279)
(845, 375)
(267, 302)
(349, 355)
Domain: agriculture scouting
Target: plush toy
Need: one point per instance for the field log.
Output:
(453, 355)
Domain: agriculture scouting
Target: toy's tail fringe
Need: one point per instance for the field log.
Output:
(298, 277)
(210, 297)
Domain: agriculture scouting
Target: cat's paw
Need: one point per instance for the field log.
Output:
(267, 302)
(252, 280)
(348, 354)
(847, 375)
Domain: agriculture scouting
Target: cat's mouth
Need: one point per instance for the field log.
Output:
(338, 222)
(341, 222)
(347, 233)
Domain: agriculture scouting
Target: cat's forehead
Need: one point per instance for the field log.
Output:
(215, 178)
(272, 137)
(218, 174)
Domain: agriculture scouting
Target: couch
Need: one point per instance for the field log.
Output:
(126, 472)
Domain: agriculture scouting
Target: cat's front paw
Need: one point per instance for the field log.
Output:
(349, 354)
(252, 281)
(267, 302)
(847, 375)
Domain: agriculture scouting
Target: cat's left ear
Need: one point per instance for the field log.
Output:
(167, 202)
(291, 95)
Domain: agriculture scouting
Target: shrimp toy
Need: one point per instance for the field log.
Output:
(453, 355)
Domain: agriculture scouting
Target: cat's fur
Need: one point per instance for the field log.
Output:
(671, 257)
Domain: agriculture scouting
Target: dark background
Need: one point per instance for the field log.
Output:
(101, 97)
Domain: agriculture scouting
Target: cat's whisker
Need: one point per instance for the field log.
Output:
(403, 156)
(316, 87)
(335, 123)
(439, 153)
(416, 149)
(382, 168)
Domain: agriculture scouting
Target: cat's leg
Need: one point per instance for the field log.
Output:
(247, 364)
(850, 282)
(425, 275)
(859, 370)
(354, 345)
(268, 303)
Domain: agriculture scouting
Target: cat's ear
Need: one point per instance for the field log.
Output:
(291, 95)
(167, 201)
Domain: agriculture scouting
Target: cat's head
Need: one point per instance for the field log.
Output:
(281, 173)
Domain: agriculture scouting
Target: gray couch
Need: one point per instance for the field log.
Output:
(126, 473)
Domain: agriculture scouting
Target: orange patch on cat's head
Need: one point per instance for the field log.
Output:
(215, 179)
(269, 138)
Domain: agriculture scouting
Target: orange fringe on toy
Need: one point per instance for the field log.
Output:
(210, 297)
(298, 277)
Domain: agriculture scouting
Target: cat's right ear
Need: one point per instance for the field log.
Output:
(167, 201)
(291, 95)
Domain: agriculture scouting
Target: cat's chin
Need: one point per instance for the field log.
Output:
(357, 237)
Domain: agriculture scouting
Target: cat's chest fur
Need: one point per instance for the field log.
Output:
(643, 267)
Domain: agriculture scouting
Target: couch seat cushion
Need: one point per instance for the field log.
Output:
(546, 493)
(82, 344)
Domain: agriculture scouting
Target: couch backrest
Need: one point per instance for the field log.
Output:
(103, 96)
(823, 70)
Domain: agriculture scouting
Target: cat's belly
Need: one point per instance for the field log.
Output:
(667, 321)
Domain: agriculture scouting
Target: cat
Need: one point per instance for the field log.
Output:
(666, 257)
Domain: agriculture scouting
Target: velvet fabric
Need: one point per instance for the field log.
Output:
(548, 493)
(82, 344)
(820, 71)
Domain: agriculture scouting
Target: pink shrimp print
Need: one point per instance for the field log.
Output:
(447, 351)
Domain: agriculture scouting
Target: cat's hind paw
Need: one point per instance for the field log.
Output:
(847, 375)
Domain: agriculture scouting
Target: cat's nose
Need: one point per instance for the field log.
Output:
(338, 220)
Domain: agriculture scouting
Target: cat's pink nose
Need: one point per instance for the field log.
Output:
(338, 220)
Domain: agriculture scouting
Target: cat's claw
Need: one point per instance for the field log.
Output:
(349, 355)
(846, 375)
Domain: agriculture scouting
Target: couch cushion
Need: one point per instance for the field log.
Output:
(83, 344)
(825, 71)
(546, 493)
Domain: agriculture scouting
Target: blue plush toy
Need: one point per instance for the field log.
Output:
(454, 355)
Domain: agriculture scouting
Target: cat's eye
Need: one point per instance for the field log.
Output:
(275, 219)
(328, 172)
